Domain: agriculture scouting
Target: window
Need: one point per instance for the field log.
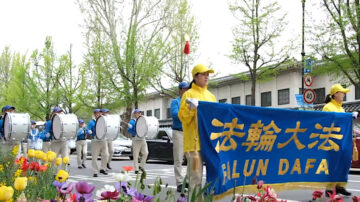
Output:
(235, 100)
(222, 100)
(168, 114)
(157, 113)
(357, 93)
(283, 96)
(248, 100)
(266, 99)
(149, 112)
(320, 95)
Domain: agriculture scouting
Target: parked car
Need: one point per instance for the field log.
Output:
(161, 147)
(122, 147)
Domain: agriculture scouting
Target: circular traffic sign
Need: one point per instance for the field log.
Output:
(309, 96)
(308, 80)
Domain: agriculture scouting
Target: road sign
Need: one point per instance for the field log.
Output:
(308, 80)
(309, 96)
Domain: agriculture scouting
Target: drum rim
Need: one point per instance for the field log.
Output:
(137, 123)
(52, 127)
(105, 131)
(95, 129)
(7, 114)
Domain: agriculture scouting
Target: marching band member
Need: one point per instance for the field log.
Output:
(138, 143)
(110, 143)
(81, 146)
(60, 147)
(187, 115)
(177, 136)
(97, 147)
(34, 141)
(7, 145)
(46, 139)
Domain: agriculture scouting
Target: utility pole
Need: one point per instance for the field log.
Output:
(303, 47)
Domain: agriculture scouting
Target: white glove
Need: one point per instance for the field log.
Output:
(193, 102)
(47, 135)
(89, 132)
(355, 115)
(130, 126)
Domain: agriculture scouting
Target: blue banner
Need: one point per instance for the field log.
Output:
(288, 148)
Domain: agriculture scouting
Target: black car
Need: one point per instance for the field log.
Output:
(161, 147)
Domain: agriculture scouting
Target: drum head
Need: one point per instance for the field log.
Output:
(56, 126)
(141, 126)
(7, 126)
(100, 128)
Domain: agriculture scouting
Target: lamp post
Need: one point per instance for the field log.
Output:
(303, 47)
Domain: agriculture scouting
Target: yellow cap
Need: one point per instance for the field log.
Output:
(200, 68)
(338, 88)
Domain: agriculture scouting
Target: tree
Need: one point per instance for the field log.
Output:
(255, 38)
(337, 40)
(5, 69)
(176, 65)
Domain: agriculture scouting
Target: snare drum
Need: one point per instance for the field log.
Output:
(147, 126)
(108, 127)
(16, 126)
(64, 126)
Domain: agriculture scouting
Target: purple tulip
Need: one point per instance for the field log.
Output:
(182, 198)
(84, 188)
(66, 188)
(58, 184)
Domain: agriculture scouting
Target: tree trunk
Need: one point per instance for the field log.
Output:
(253, 90)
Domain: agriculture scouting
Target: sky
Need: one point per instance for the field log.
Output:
(24, 24)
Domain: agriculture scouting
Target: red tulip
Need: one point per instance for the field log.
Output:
(127, 168)
(187, 48)
(317, 194)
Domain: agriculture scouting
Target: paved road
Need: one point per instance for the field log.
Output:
(165, 171)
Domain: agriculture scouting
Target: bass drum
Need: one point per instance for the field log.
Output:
(147, 126)
(64, 126)
(108, 127)
(16, 126)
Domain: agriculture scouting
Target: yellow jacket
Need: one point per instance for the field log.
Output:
(333, 106)
(187, 116)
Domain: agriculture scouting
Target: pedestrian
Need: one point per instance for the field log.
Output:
(334, 102)
(177, 136)
(138, 143)
(110, 144)
(81, 146)
(34, 140)
(98, 146)
(188, 117)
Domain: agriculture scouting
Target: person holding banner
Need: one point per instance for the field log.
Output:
(138, 143)
(97, 146)
(188, 117)
(110, 143)
(334, 104)
(81, 146)
(177, 134)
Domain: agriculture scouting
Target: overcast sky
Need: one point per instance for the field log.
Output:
(24, 24)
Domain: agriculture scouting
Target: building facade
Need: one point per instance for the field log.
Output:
(278, 92)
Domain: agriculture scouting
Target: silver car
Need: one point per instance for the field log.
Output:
(122, 147)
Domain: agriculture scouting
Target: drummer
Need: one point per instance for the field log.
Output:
(7, 146)
(110, 144)
(138, 143)
(58, 146)
(97, 146)
(81, 146)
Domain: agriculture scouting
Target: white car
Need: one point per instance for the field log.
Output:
(122, 147)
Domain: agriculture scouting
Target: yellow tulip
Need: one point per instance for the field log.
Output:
(62, 176)
(51, 156)
(31, 153)
(58, 161)
(20, 183)
(15, 149)
(44, 158)
(37, 154)
(66, 160)
(6, 193)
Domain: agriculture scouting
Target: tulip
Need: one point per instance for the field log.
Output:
(51, 156)
(20, 183)
(34, 165)
(84, 188)
(122, 177)
(66, 160)
(108, 195)
(317, 194)
(62, 176)
(182, 198)
(65, 188)
(31, 153)
(58, 161)
(356, 199)
(15, 149)
(6, 193)
(43, 168)
(128, 168)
